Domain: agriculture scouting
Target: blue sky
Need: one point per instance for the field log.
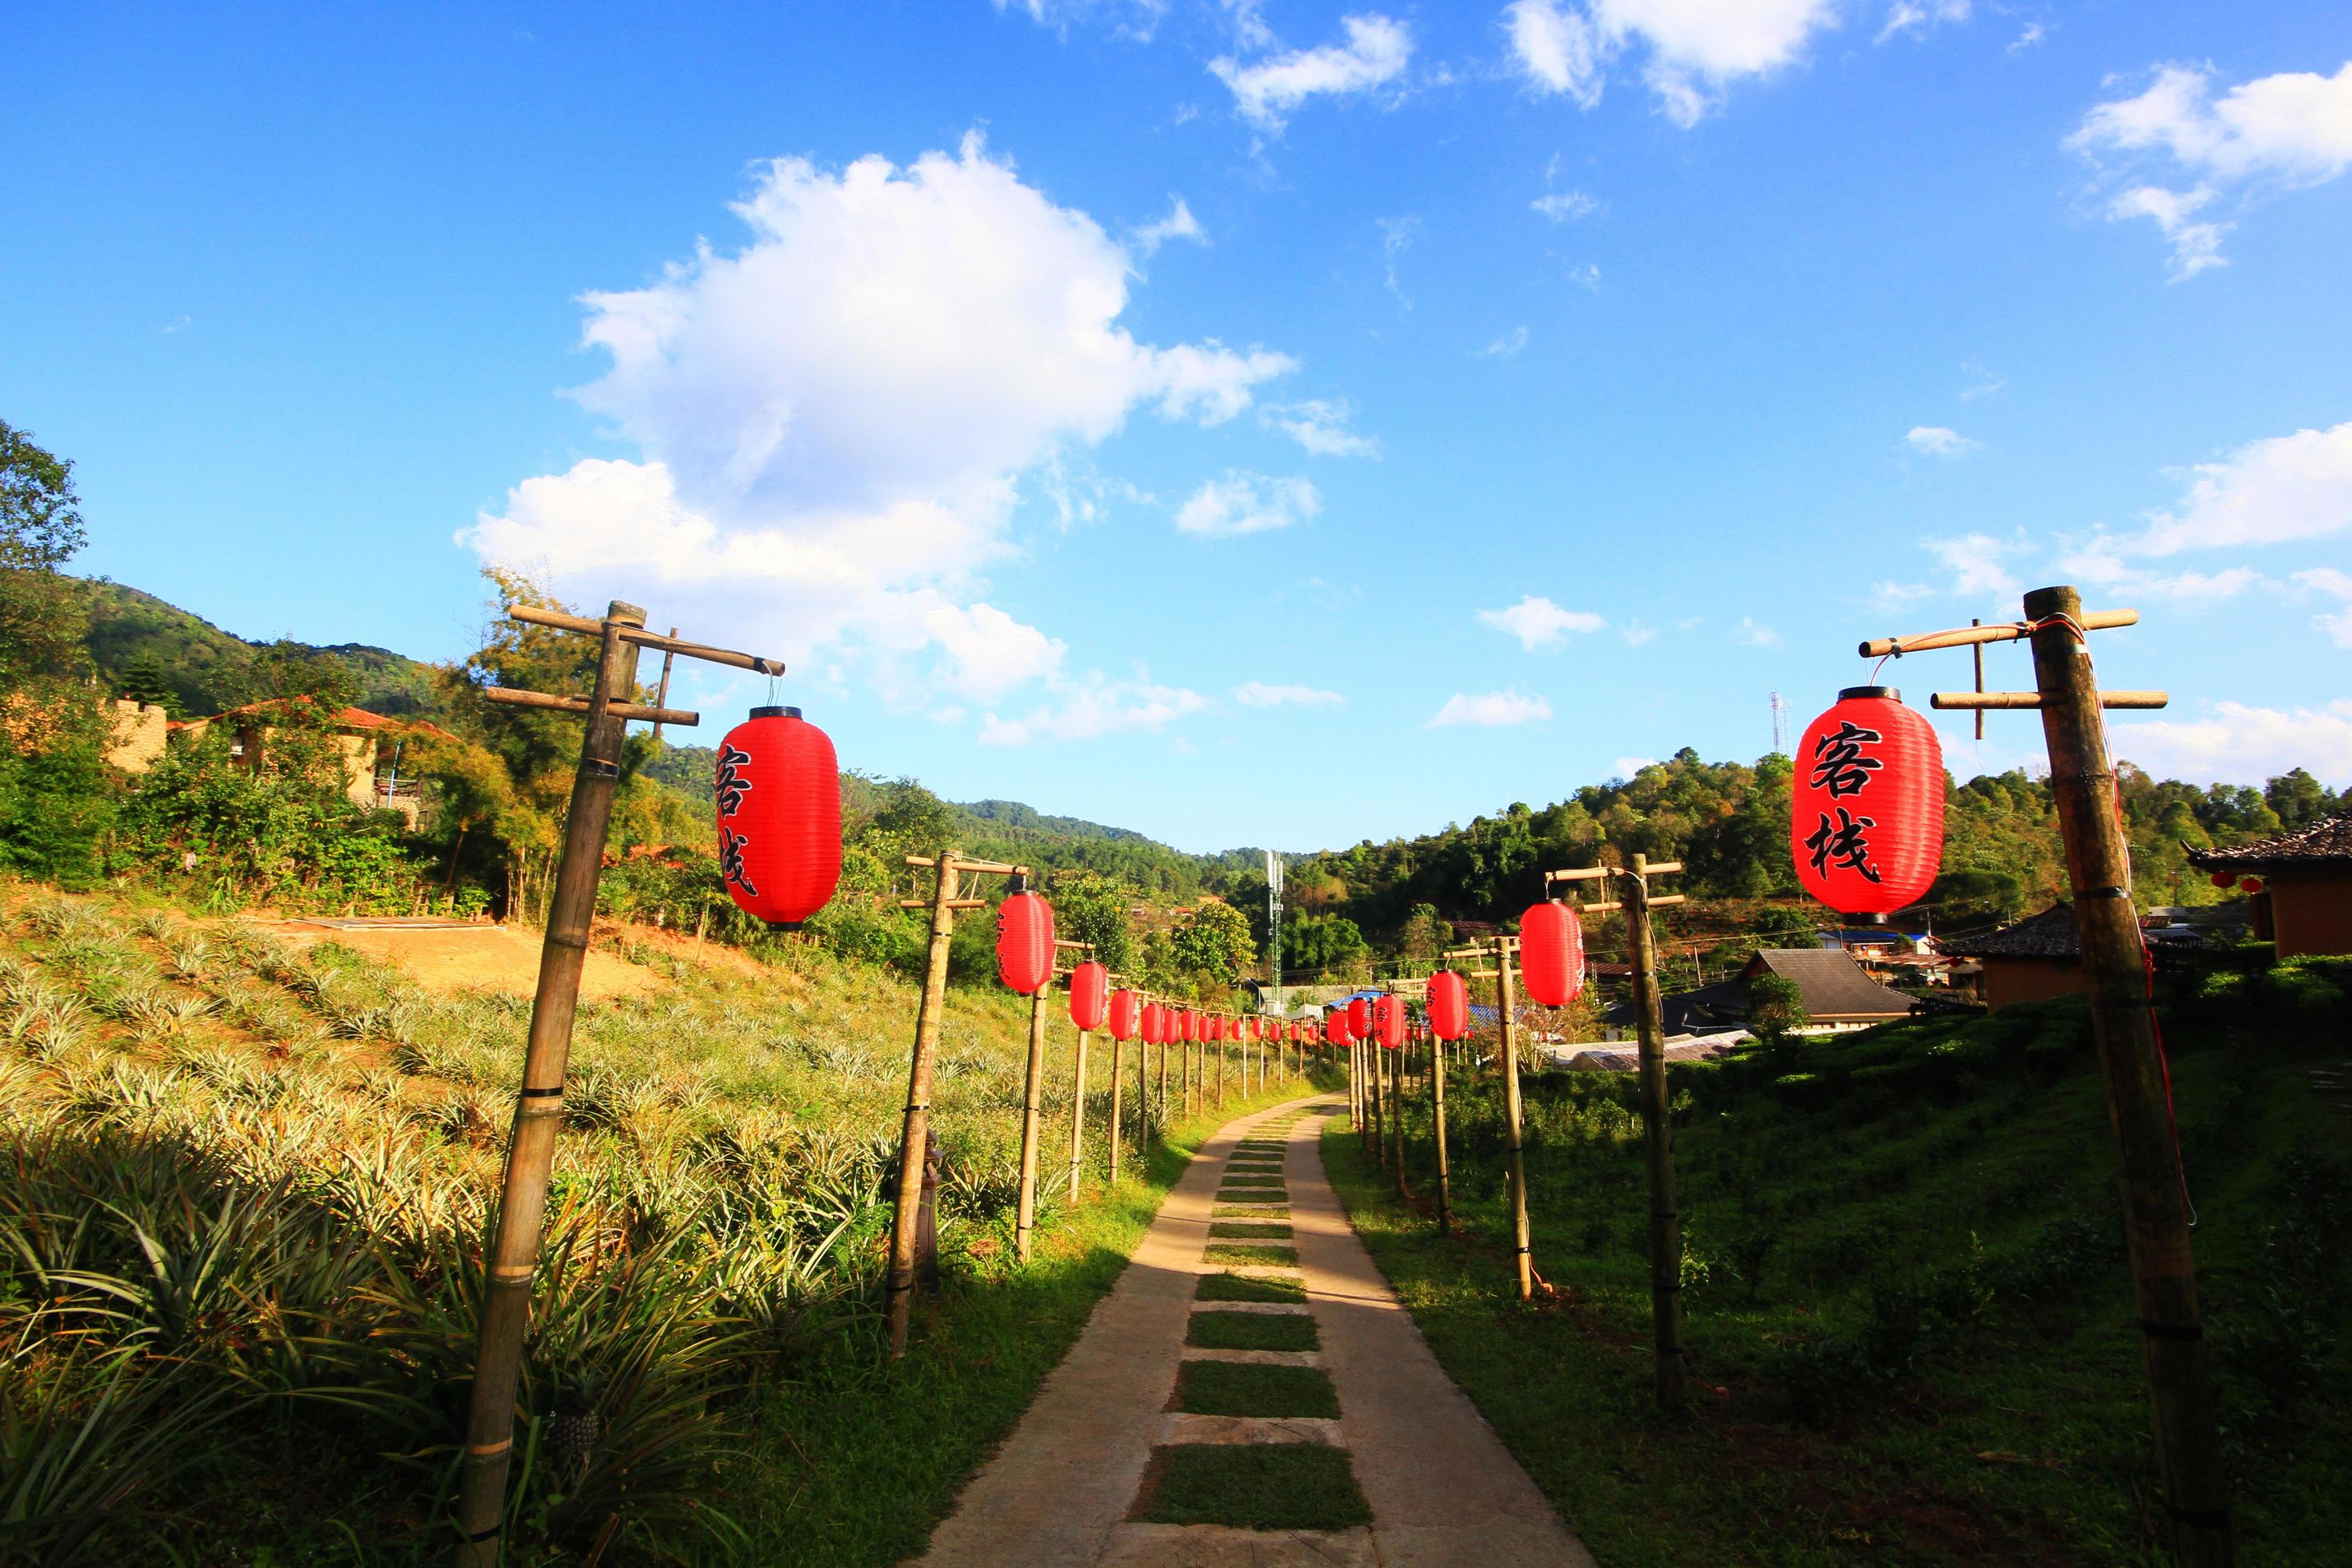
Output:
(1247, 423)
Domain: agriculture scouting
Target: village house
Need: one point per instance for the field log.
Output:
(371, 745)
(1837, 994)
(2304, 902)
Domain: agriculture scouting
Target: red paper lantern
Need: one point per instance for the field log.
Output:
(1089, 996)
(1335, 1027)
(1551, 953)
(1025, 942)
(2250, 886)
(1388, 1020)
(1360, 1017)
(778, 789)
(1866, 828)
(2225, 878)
(1126, 1014)
(1449, 1006)
(1191, 1025)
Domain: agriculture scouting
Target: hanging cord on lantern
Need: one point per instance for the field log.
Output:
(772, 692)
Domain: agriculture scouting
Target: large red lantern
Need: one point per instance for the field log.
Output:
(1866, 827)
(1089, 996)
(1360, 1017)
(778, 790)
(1025, 942)
(1335, 1027)
(1190, 1025)
(1126, 1015)
(1551, 953)
(1388, 1020)
(1155, 1024)
(1449, 1006)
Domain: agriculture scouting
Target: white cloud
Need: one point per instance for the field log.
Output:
(1507, 346)
(833, 420)
(1636, 634)
(1562, 206)
(2033, 34)
(1982, 382)
(2278, 490)
(1538, 621)
(1322, 426)
(1936, 441)
(2338, 624)
(1973, 563)
(1092, 708)
(1556, 49)
(1919, 18)
(1895, 596)
(1243, 502)
(2241, 744)
(1754, 633)
(1627, 767)
(1397, 235)
(1268, 91)
(1258, 694)
(1697, 48)
(1494, 709)
(1587, 276)
(2290, 130)
(1179, 223)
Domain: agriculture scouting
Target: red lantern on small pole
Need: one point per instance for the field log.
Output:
(1449, 1006)
(778, 791)
(1089, 996)
(1867, 822)
(1126, 1015)
(1336, 1030)
(1387, 1021)
(1360, 1017)
(1551, 953)
(1025, 942)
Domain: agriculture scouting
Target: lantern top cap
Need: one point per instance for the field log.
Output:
(1891, 693)
(775, 712)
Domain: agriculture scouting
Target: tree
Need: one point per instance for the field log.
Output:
(2299, 799)
(920, 822)
(1324, 944)
(1215, 943)
(1090, 908)
(1776, 1010)
(1425, 936)
(40, 515)
(144, 680)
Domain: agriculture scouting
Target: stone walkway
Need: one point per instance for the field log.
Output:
(1101, 1450)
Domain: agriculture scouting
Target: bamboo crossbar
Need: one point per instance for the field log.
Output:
(952, 903)
(1607, 908)
(534, 616)
(1961, 637)
(1983, 699)
(633, 711)
(1589, 873)
(983, 868)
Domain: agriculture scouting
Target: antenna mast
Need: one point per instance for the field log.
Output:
(1274, 927)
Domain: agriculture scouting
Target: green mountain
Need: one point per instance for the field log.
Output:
(206, 669)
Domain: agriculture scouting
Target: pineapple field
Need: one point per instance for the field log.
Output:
(242, 1196)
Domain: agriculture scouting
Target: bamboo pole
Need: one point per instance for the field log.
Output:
(1032, 1085)
(1396, 1111)
(900, 1289)
(1508, 1028)
(1657, 1143)
(513, 1251)
(1117, 1067)
(1078, 1114)
(1437, 1116)
(2155, 1197)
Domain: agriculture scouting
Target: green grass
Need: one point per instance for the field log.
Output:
(1245, 1211)
(1242, 1388)
(1244, 1252)
(1239, 1231)
(1252, 1486)
(1909, 1318)
(1253, 1331)
(1248, 1288)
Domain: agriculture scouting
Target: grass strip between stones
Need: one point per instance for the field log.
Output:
(1264, 1230)
(1251, 1331)
(1252, 1486)
(1248, 1288)
(1251, 1252)
(1248, 1388)
(1250, 1211)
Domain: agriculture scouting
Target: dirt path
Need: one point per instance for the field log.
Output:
(463, 956)
(1102, 1460)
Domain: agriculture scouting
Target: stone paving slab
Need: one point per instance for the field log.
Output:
(1271, 1309)
(1255, 1358)
(1177, 1427)
(1222, 1546)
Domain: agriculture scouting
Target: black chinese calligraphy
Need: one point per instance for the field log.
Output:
(1839, 765)
(1842, 844)
(732, 787)
(731, 848)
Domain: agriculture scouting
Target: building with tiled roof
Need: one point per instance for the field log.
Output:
(2305, 877)
(1837, 995)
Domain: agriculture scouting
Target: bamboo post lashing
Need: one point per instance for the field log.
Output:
(661, 692)
(2157, 1214)
(511, 1256)
(948, 867)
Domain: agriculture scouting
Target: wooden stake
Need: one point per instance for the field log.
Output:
(1396, 1112)
(1118, 1069)
(2156, 1211)
(1437, 1115)
(1078, 1114)
(513, 1250)
(1032, 1083)
(900, 1289)
(1518, 1162)
(1657, 1142)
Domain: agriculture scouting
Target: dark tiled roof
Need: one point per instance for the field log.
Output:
(1832, 984)
(2050, 934)
(2326, 842)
